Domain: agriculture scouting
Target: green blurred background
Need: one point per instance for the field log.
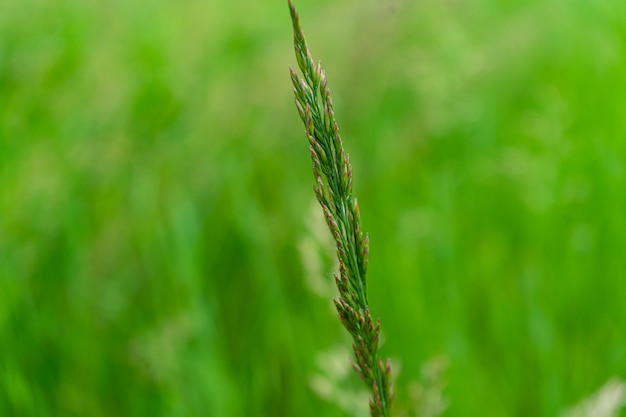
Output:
(156, 204)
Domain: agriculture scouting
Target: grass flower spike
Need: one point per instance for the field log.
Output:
(333, 189)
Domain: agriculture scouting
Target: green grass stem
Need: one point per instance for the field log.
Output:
(333, 189)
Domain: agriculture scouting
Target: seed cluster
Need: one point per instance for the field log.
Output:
(333, 189)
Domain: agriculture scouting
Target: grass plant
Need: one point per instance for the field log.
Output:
(333, 189)
(152, 187)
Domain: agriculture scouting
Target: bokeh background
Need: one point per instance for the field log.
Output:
(160, 251)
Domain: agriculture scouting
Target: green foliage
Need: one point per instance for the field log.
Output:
(151, 198)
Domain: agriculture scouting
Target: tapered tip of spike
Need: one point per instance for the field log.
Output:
(294, 16)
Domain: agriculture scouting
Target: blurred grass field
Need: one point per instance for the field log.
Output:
(155, 184)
